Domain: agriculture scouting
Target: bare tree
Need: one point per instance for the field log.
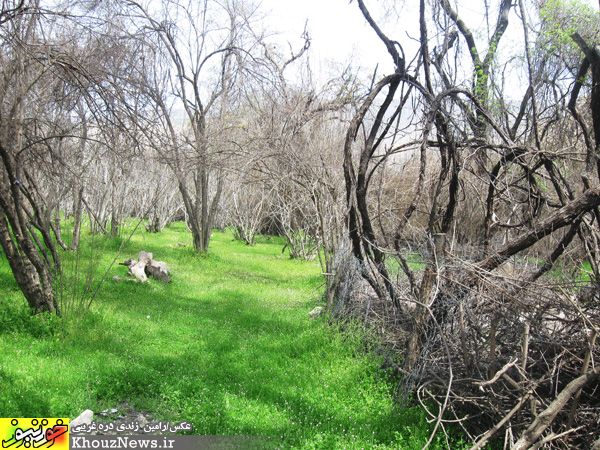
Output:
(27, 66)
(524, 201)
(200, 49)
(292, 129)
(47, 78)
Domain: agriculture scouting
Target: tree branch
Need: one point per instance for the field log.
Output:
(546, 417)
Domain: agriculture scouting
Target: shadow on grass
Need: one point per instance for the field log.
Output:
(232, 356)
(227, 369)
(22, 399)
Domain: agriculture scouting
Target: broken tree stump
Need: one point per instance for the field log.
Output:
(145, 266)
(158, 270)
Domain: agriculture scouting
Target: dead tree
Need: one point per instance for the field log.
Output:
(477, 307)
(195, 155)
(21, 214)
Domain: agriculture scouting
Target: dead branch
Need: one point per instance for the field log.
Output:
(545, 418)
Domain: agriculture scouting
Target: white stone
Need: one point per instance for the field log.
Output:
(316, 312)
(141, 420)
(85, 418)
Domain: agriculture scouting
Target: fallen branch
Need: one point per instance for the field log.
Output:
(498, 375)
(486, 437)
(546, 417)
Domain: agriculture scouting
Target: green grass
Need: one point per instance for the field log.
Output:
(227, 346)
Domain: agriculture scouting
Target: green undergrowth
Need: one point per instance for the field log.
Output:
(227, 346)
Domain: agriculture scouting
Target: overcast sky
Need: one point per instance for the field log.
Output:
(338, 31)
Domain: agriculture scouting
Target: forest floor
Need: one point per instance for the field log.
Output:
(227, 346)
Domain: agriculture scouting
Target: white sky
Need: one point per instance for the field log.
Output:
(340, 33)
(338, 30)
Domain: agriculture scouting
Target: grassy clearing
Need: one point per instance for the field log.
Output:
(227, 346)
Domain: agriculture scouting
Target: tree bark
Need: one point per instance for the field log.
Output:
(546, 417)
(39, 294)
(31, 270)
(77, 215)
(566, 215)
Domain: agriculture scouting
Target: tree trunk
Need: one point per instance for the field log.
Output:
(77, 213)
(114, 224)
(191, 208)
(55, 225)
(36, 289)
(201, 212)
(207, 225)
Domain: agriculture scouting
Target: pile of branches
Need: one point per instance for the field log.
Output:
(514, 361)
(356, 300)
(503, 359)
